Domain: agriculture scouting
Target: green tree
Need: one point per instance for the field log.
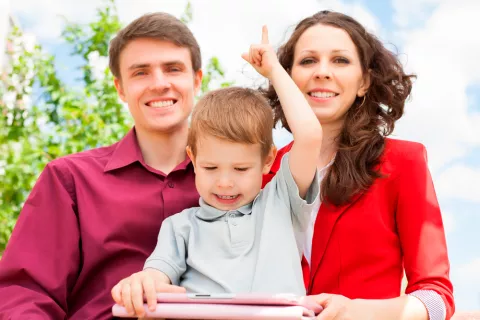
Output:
(60, 120)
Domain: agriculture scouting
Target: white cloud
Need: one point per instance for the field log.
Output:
(448, 222)
(129, 10)
(46, 18)
(443, 55)
(408, 12)
(466, 279)
(470, 271)
(460, 182)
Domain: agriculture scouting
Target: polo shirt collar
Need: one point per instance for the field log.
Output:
(207, 212)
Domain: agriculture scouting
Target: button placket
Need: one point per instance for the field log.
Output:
(237, 237)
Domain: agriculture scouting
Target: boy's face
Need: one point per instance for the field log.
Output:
(158, 83)
(229, 174)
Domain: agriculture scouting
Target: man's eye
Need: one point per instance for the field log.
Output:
(174, 69)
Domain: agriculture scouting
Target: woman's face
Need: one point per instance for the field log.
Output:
(326, 67)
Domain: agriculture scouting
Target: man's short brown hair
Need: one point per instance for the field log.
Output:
(234, 114)
(161, 26)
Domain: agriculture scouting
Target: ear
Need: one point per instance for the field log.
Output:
(118, 86)
(365, 85)
(198, 80)
(269, 159)
(191, 156)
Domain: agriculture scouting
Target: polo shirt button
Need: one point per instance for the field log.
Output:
(171, 185)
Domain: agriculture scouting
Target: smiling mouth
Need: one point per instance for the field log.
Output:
(161, 104)
(323, 95)
(226, 197)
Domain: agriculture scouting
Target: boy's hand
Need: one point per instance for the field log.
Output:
(262, 56)
(130, 291)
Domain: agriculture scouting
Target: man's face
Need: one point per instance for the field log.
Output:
(158, 83)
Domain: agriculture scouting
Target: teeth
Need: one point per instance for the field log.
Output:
(161, 104)
(227, 197)
(323, 94)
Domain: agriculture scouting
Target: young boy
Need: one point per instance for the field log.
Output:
(241, 239)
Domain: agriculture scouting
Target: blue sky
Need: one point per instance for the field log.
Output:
(437, 43)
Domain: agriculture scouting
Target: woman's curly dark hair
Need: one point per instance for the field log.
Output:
(362, 139)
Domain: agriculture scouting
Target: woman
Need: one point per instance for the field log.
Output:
(379, 214)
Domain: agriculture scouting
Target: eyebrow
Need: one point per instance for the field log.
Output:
(238, 164)
(333, 51)
(148, 65)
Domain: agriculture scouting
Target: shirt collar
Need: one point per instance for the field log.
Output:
(207, 212)
(127, 151)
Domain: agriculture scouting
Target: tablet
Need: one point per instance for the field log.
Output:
(229, 306)
(240, 299)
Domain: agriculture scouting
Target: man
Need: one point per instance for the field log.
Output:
(93, 217)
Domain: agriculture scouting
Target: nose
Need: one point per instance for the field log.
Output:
(323, 70)
(224, 180)
(160, 81)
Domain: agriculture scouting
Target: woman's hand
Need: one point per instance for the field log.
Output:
(337, 307)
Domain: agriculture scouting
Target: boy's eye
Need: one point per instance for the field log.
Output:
(241, 169)
(209, 168)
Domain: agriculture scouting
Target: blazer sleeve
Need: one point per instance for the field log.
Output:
(421, 230)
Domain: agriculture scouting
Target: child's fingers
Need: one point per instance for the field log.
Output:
(169, 288)
(137, 297)
(258, 56)
(252, 56)
(117, 293)
(265, 35)
(127, 298)
(150, 293)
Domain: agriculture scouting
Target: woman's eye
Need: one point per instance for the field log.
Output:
(307, 61)
(341, 60)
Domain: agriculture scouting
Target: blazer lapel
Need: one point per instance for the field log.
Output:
(327, 217)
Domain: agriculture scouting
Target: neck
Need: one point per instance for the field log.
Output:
(329, 143)
(163, 151)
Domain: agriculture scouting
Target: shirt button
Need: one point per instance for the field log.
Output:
(171, 184)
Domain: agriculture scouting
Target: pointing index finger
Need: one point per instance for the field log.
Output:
(264, 35)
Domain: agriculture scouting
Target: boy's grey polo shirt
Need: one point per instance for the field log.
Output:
(256, 248)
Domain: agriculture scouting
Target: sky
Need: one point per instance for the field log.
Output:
(435, 40)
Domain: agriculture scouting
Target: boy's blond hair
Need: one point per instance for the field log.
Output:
(234, 114)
